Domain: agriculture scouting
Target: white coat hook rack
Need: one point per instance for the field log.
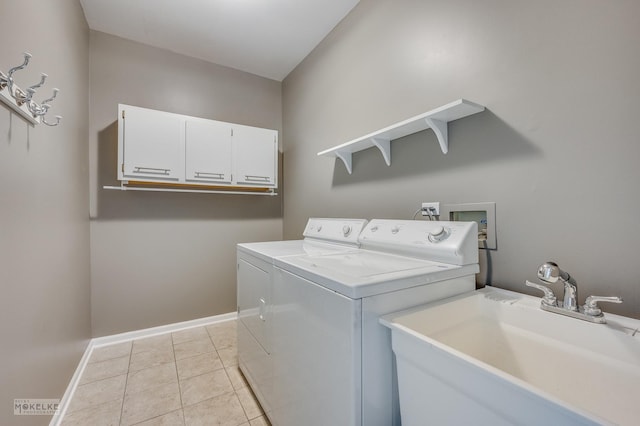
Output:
(21, 101)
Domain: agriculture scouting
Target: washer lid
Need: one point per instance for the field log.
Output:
(367, 264)
(363, 273)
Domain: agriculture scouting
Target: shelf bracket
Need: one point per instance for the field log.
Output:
(441, 129)
(346, 158)
(384, 145)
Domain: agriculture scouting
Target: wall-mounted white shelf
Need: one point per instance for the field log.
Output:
(436, 119)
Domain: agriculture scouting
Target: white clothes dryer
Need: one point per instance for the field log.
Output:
(254, 278)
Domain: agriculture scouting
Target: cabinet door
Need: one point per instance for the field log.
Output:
(151, 145)
(255, 156)
(208, 152)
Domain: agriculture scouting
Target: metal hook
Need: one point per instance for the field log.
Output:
(27, 56)
(38, 110)
(37, 86)
(29, 96)
(3, 80)
(21, 97)
(43, 108)
(55, 93)
(34, 108)
(58, 118)
(9, 78)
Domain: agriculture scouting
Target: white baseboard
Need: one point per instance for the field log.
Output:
(71, 388)
(162, 329)
(99, 342)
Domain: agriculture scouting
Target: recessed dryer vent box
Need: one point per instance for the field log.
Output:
(482, 213)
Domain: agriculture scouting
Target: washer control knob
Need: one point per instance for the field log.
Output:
(395, 229)
(346, 230)
(438, 233)
(374, 229)
(319, 228)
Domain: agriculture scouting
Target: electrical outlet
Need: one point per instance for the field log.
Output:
(435, 206)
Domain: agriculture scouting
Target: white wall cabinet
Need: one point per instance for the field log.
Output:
(156, 147)
(255, 155)
(208, 152)
(151, 145)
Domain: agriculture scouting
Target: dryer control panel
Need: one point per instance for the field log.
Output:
(341, 231)
(448, 242)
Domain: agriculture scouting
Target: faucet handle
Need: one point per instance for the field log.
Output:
(549, 298)
(591, 304)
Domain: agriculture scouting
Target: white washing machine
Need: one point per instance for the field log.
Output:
(332, 361)
(255, 266)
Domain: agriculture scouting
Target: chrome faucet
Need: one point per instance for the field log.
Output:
(549, 273)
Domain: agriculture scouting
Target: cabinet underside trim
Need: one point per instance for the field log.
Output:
(176, 187)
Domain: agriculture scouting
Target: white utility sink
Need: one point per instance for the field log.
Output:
(493, 357)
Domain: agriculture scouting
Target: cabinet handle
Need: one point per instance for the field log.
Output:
(257, 178)
(151, 170)
(207, 175)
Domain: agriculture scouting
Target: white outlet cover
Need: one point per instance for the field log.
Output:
(435, 205)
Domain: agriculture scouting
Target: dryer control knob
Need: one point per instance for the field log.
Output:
(438, 234)
(395, 229)
(346, 230)
(319, 228)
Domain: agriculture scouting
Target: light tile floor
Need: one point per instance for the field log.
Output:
(190, 377)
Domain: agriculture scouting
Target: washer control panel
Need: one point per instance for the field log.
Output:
(438, 234)
(451, 242)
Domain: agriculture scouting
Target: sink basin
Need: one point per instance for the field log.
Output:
(492, 356)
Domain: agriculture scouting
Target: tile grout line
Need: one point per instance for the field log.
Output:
(235, 391)
(215, 349)
(175, 363)
(80, 383)
(126, 380)
(154, 349)
(224, 368)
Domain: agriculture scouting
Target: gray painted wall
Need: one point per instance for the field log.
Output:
(557, 148)
(159, 258)
(44, 194)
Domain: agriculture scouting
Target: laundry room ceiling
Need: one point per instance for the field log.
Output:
(264, 37)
